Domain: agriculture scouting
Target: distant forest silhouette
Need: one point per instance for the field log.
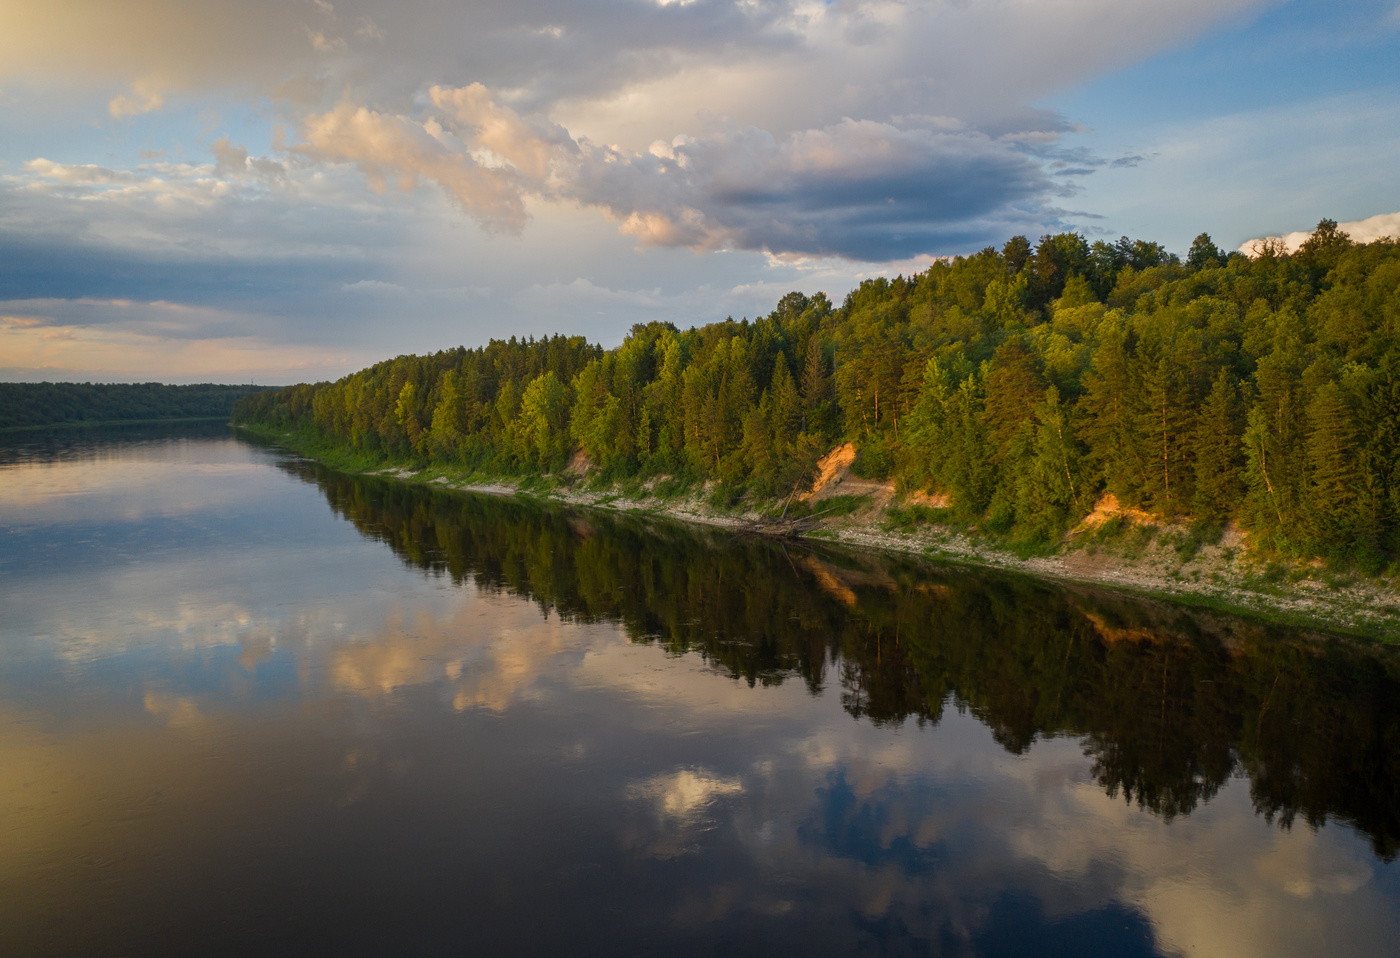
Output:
(47, 404)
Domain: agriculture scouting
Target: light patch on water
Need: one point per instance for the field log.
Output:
(685, 794)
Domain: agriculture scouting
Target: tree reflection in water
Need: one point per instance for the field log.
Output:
(1170, 701)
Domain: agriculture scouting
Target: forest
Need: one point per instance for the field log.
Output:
(25, 405)
(1022, 384)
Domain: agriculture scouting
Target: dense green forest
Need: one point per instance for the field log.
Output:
(45, 404)
(1024, 383)
(1171, 704)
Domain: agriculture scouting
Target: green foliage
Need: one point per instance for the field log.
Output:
(908, 518)
(1202, 532)
(873, 461)
(724, 496)
(1022, 384)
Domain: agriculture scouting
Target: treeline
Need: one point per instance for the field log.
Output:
(1023, 383)
(46, 404)
(1172, 704)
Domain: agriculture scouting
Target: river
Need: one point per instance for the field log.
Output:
(248, 704)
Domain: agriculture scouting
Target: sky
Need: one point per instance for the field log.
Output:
(277, 191)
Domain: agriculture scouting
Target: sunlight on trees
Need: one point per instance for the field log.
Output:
(1023, 384)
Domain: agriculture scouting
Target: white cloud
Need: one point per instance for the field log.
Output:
(1368, 230)
(147, 96)
(858, 188)
(79, 173)
(797, 154)
(395, 148)
(533, 147)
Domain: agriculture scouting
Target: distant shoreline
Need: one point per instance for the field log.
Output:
(81, 423)
(1220, 577)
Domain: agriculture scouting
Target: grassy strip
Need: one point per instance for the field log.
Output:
(313, 445)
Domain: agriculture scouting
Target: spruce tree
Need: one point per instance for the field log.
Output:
(1217, 447)
(1164, 427)
(1109, 421)
(1014, 385)
(1334, 480)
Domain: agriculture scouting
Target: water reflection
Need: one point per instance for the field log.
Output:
(1172, 702)
(524, 730)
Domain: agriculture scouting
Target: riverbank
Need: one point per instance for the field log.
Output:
(1115, 548)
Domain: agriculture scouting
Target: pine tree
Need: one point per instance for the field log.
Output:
(969, 472)
(1051, 483)
(1204, 253)
(1014, 385)
(1108, 427)
(1163, 428)
(816, 385)
(1217, 446)
(785, 408)
(643, 440)
(1273, 441)
(1334, 478)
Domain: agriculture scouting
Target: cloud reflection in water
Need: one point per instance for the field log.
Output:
(590, 728)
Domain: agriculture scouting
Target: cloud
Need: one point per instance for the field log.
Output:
(79, 173)
(89, 338)
(859, 189)
(323, 44)
(152, 47)
(532, 146)
(233, 160)
(367, 29)
(1381, 226)
(372, 286)
(599, 143)
(396, 148)
(146, 97)
(80, 353)
(806, 159)
(302, 263)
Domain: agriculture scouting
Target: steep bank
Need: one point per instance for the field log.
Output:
(1115, 548)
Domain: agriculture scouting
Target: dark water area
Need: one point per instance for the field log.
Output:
(249, 704)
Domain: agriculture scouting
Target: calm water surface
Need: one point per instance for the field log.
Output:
(249, 705)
